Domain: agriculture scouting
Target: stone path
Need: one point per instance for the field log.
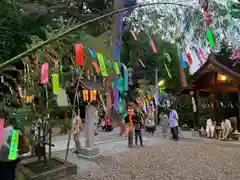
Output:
(189, 158)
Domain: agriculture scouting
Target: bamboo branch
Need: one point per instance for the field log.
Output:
(57, 37)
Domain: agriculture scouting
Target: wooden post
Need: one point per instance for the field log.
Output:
(212, 106)
(196, 113)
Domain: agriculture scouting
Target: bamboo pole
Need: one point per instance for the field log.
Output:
(57, 37)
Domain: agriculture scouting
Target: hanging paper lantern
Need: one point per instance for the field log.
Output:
(79, 51)
(189, 58)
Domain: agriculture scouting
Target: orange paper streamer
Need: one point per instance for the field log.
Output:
(153, 46)
(94, 63)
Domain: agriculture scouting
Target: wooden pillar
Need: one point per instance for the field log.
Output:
(238, 115)
(196, 113)
(212, 106)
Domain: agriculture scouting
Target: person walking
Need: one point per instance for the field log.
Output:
(173, 123)
(76, 130)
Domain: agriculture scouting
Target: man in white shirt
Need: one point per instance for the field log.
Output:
(210, 128)
(173, 123)
(226, 128)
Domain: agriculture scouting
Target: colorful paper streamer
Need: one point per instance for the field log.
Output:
(79, 50)
(1, 131)
(183, 63)
(125, 75)
(94, 63)
(168, 71)
(102, 64)
(154, 49)
(62, 98)
(92, 53)
(44, 74)
(57, 64)
(210, 38)
(168, 57)
(55, 82)
(14, 145)
(134, 35)
(189, 59)
(116, 67)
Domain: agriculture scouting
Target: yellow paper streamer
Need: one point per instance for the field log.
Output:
(55, 81)
(102, 64)
(116, 67)
(14, 145)
(169, 74)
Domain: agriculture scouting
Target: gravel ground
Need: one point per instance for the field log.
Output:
(181, 160)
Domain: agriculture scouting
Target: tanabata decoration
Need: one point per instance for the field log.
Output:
(55, 82)
(92, 53)
(1, 131)
(154, 49)
(168, 71)
(210, 38)
(185, 21)
(94, 63)
(44, 74)
(207, 19)
(202, 54)
(79, 50)
(14, 145)
(183, 63)
(20, 92)
(125, 75)
(189, 59)
(117, 50)
(133, 35)
(102, 65)
(168, 57)
(62, 98)
(116, 67)
(77, 70)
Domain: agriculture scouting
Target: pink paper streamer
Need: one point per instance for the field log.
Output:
(134, 35)
(203, 55)
(44, 74)
(153, 46)
(1, 131)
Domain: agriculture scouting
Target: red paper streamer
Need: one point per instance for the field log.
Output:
(134, 35)
(94, 63)
(189, 58)
(153, 46)
(79, 54)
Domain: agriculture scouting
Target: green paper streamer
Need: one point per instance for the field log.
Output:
(102, 65)
(14, 145)
(168, 72)
(116, 68)
(210, 38)
(55, 82)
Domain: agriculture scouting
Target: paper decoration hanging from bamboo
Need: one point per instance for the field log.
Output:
(117, 50)
(116, 68)
(92, 53)
(95, 65)
(168, 71)
(14, 145)
(44, 74)
(57, 64)
(1, 131)
(126, 76)
(154, 49)
(134, 35)
(186, 21)
(182, 61)
(210, 38)
(55, 82)
(62, 98)
(102, 64)
(202, 54)
(189, 59)
(79, 51)
(168, 57)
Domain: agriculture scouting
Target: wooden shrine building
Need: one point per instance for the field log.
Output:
(219, 74)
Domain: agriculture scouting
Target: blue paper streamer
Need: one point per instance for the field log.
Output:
(92, 53)
(117, 51)
(183, 63)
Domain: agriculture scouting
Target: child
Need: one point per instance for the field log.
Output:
(138, 125)
(150, 128)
